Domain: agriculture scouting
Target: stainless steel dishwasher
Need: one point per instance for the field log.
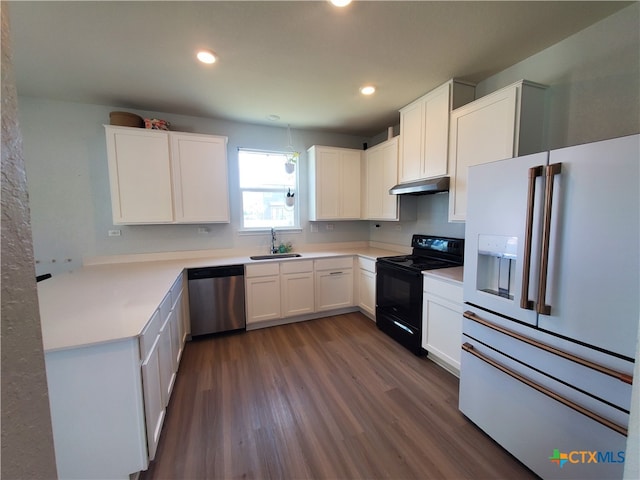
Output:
(216, 299)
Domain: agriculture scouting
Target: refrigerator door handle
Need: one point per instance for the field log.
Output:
(525, 303)
(551, 172)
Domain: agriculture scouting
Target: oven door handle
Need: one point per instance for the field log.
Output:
(467, 347)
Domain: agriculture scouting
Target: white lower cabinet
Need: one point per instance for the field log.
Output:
(278, 292)
(297, 287)
(367, 286)
(334, 283)
(442, 322)
(108, 400)
(97, 414)
(161, 345)
(262, 282)
(153, 402)
(165, 361)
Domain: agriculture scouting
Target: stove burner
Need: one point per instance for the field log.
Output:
(399, 259)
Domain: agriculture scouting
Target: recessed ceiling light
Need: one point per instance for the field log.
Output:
(340, 3)
(273, 117)
(206, 56)
(368, 90)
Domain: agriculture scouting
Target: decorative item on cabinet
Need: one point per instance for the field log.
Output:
(156, 124)
(126, 119)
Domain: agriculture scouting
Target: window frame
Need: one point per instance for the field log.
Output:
(296, 207)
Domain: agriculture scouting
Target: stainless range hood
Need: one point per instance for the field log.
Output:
(422, 187)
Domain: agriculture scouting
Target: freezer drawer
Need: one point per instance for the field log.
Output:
(547, 435)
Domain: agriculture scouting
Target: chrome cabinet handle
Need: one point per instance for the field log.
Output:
(623, 377)
(467, 347)
(551, 172)
(534, 172)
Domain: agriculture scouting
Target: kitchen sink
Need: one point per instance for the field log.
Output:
(275, 256)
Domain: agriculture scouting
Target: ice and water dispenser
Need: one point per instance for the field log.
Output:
(497, 257)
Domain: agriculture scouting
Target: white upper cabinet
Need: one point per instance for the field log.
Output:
(167, 177)
(334, 183)
(424, 130)
(380, 173)
(504, 124)
(139, 175)
(200, 178)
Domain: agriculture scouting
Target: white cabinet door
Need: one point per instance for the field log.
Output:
(381, 174)
(436, 133)
(442, 323)
(176, 348)
(167, 177)
(334, 183)
(139, 175)
(489, 129)
(297, 294)
(350, 184)
(153, 401)
(179, 323)
(367, 292)
(166, 361)
(200, 178)
(334, 289)
(263, 298)
(424, 131)
(411, 141)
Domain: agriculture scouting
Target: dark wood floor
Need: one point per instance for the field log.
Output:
(332, 398)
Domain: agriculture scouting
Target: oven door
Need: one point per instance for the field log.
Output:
(399, 304)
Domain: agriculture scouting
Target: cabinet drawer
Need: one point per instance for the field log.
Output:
(450, 291)
(262, 269)
(367, 264)
(334, 263)
(149, 334)
(296, 267)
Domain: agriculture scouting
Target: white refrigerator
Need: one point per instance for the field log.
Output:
(551, 287)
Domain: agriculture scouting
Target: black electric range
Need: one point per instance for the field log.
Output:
(399, 286)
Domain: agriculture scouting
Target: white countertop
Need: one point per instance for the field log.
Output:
(453, 274)
(110, 302)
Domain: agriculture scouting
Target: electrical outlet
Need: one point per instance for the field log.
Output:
(114, 233)
(314, 228)
(203, 230)
(398, 227)
(329, 226)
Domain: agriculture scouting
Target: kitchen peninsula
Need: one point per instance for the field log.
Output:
(113, 334)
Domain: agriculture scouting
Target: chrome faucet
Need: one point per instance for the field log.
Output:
(274, 249)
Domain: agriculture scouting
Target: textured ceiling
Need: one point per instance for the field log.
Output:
(303, 61)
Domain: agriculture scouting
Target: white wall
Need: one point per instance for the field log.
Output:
(65, 153)
(594, 94)
(594, 81)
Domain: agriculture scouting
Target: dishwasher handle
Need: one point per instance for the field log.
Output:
(215, 272)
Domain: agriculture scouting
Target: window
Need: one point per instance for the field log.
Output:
(265, 186)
